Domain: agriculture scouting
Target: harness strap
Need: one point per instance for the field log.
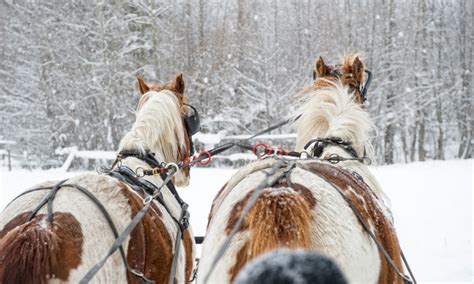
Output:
(407, 266)
(322, 143)
(183, 219)
(50, 195)
(26, 192)
(173, 191)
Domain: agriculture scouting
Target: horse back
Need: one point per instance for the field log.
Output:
(80, 232)
(304, 210)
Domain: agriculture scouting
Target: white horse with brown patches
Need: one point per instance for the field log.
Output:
(36, 249)
(310, 203)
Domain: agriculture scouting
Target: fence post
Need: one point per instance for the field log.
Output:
(9, 161)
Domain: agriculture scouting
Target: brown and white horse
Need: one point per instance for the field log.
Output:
(308, 206)
(38, 251)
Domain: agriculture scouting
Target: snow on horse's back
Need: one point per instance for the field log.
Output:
(304, 206)
(63, 246)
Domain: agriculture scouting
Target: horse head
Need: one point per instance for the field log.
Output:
(176, 86)
(333, 106)
(350, 73)
(184, 150)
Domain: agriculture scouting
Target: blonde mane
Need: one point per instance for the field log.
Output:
(158, 128)
(332, 112)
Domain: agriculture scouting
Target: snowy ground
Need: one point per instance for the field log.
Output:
(432, 203)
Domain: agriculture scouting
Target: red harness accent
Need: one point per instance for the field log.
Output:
(202, 162)
(261, 150)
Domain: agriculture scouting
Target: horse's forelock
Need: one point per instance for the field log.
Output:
(170, 86)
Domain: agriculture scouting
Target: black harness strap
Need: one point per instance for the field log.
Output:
(26, 192)
(47, 199)
(322, 143)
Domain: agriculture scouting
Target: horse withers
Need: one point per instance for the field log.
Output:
(337, 210)
(58, 232)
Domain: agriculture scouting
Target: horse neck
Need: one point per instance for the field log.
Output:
(332, 112)
(158, 128)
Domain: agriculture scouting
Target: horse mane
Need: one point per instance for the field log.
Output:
(331, 111)
(158, 127)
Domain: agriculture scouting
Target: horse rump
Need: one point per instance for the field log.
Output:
(280, 218)
(37, 250)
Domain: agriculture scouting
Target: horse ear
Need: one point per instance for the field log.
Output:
(358, 70)
(179, 85)
(321, 69)
(142, 86)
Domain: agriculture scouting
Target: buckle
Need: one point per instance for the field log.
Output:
(184, 221)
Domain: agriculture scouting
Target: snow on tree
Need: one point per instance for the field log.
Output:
(68, 70)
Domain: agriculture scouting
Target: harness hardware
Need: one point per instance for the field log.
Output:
(203, 158)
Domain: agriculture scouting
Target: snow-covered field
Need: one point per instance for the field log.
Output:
(432, 204)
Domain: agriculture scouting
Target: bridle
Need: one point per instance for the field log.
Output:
(363, 88)
(192, 123)
(320, 144)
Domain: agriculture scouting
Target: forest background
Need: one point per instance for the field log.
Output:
(68, 68)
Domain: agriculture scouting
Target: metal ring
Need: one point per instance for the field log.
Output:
(147, 199)
(366, 160)
(136, 272)
(172, 165)
(206, 161)
(140, 172)
(334, 159)
(255, 150)
(304, 154)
